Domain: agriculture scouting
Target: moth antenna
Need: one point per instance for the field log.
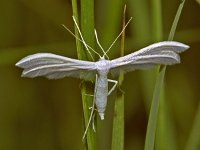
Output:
(89, 121)
(97, 39)
(79, 31)
(82, 42)
(118, 35)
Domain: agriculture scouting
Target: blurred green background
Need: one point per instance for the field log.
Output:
(41, 114)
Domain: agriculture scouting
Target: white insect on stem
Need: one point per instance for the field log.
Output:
(55, 67)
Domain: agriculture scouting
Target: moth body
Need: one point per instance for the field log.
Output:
(101, 94)
(103, 67)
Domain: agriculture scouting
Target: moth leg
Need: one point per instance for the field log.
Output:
(93, 125)
(90, 119)
(114, 86)
(89, 95)
(91, 114)
(92, 108)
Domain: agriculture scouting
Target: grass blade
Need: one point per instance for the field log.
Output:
(118, 120)
(152, 124)
(166, 129)
(87, 26)
(157, 20)
(174, 25)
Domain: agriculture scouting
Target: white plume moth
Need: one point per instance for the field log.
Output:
(55, 67)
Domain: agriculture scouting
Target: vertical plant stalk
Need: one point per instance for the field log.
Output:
(175, 22)
(166, 129)
(79, 49)
(87, 26)
(152, 123)
(157, 20)
(118, 120)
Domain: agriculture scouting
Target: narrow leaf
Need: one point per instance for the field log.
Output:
(87, 26)
(118, 120)
(152, 124)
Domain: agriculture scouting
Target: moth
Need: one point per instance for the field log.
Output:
(54, 66)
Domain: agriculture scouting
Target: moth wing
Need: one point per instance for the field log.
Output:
(162, 53)
(55, 67)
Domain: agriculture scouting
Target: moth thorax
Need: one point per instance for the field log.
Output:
(103, 66)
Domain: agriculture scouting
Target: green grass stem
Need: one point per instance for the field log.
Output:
(87, 26)
(157, 20)
(175, 23)
(118, 120)
(152, 124)
(166, 129)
